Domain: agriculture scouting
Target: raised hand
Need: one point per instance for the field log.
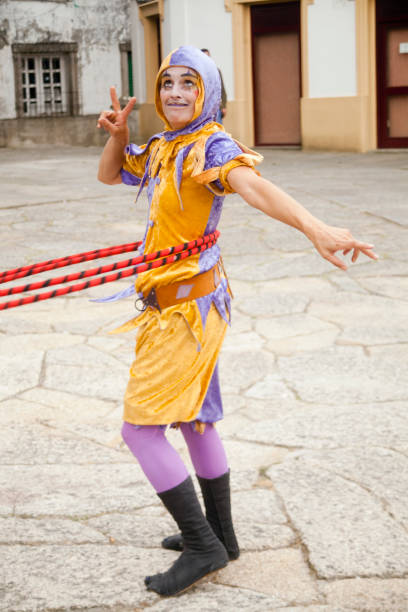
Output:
(115, 121)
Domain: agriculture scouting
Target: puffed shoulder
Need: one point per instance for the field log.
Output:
(133, 168)
(215, 156)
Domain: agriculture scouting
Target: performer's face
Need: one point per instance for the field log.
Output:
(178, 93)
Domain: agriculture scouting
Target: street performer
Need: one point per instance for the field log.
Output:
(187, 171)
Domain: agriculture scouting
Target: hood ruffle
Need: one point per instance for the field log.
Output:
(209, 98)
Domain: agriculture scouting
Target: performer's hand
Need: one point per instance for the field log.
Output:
(115, 121)
(328, 240)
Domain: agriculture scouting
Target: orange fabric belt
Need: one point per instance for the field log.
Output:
(182, 291)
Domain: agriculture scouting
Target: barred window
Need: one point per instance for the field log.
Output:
(45, 80)
(43, 85)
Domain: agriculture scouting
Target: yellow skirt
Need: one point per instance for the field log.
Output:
(170, 375)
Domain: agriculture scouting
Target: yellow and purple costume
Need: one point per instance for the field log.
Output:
(174, 376)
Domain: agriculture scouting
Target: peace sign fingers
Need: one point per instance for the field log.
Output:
(115, 100)
(124, 113)
(114, 121)
(128, 108)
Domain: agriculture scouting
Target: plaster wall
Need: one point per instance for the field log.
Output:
(335, 124)
(7, 97)
(201, 24)
(138, 53)
(98, 26)
(98, 72)
(332, 48)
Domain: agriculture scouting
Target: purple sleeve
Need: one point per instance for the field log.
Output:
(219, 150)
(129, 179)
(132, 150)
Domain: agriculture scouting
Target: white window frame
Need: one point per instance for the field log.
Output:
(45, 79)
(126, 78)
(44, 91)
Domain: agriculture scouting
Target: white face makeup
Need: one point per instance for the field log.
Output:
(178, 93)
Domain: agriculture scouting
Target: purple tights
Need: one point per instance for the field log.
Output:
(163, 465)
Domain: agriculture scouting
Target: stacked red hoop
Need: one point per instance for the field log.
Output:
(139, 264)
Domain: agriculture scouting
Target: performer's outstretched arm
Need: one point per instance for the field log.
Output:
(115, 123)
(267, 197)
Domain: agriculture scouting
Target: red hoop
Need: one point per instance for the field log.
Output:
(140, 264)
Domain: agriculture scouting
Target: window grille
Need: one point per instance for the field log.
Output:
(46, 79)
(43, 85)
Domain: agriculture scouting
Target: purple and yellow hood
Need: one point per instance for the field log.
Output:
(209, 97)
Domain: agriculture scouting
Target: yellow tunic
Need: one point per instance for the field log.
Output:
(176, 351)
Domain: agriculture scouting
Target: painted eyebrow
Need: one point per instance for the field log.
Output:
(167, 74)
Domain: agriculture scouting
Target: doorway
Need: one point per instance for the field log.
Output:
(276, 73)
(392, 73)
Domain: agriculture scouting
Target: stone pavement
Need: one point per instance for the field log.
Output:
(315, 379)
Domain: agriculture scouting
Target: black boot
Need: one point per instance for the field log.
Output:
(203, 552)
(216, 494)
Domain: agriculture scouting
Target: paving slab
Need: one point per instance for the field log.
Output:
(83, 576)
(395, 287)
(368, 594)
(93, 380)
(19, 372)
(382, 472)
(342, 539)
(325, 426)
(42, 445)
(346, 374)
(355, 318)
(315, 386)
(208, 597)
(313, 609)
(286, 335)
(68, 407)
(242, 368)
(29, 531)
(244, 454)
(282, 574)
(62, 490)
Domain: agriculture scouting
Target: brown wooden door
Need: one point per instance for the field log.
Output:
(276, 73)
(392, 73)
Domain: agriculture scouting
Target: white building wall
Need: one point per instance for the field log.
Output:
(203, 24)
(98, 26)
(332, 48)
(138, 53)
(7, 97)
(107, 25)
(100, 68)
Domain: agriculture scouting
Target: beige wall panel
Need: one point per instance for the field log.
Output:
(239, 118)
(346, 123)
(334, 123)
(231, 122)
(149, 122)
(366, 70)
